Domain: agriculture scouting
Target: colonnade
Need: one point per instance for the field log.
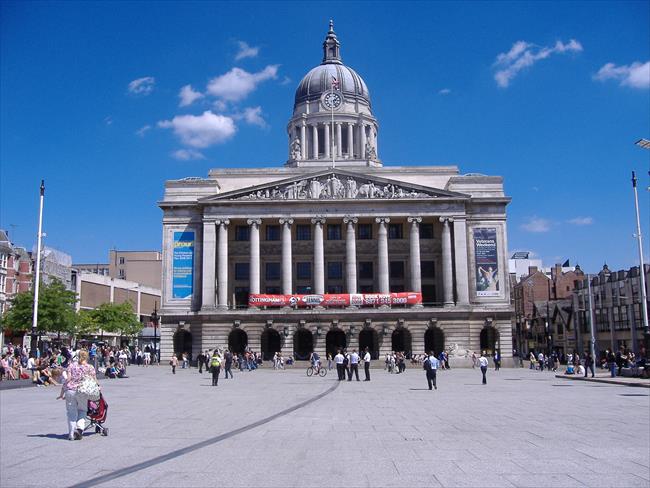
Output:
(356, 133)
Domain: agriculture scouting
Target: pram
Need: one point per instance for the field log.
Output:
(97, 412)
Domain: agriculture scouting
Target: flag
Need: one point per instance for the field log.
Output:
(335, 83)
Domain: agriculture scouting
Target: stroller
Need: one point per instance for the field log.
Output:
(97, 412)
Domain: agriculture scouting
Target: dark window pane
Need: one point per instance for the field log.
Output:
(272, 232)
(366, 289)
(273, 290)
(365, 270)
(364, 231)
(272, 271)
(241, 296)
(396, 288)
(303, 232)
(334, 232)
(397, 269)
(241, 271)
(303, 290)
(303, 271)
(242, 233)
(426, 231)
(428, 293)
(427, 269)
(335, 289)
(335, 270)
(394, 231)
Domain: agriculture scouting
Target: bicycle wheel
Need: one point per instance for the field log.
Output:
(322, 372)
(310, 371)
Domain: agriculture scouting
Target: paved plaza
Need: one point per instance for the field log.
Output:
(282, 429)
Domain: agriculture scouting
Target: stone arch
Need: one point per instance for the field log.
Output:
(434, 340)
(335, 340)
(401, 340)
(182, 343)
(237, 341)
(270, 343)
(369, 338)
(303, 344)
(489, 339)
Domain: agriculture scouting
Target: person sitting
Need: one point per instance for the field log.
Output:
(121, 370)
(111, 371)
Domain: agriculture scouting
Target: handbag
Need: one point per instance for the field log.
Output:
(89, 387)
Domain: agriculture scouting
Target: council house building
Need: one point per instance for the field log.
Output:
(333, 249)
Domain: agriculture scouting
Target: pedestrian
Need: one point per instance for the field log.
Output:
(215, 367)
(346, 365)
(483, 363)
(474, 359)
(173, 362)
(338, 360)
(354, 365)
(430, 365)
(540, 360)
(611, 362)
(76, 403)
(199, 360)
(329, 361)
(497, 361)
(227, 364)
(366, 364)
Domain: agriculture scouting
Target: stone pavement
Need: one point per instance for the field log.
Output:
(281, 429)
(605, 377)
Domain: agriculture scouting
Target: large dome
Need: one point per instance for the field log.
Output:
(319, 80)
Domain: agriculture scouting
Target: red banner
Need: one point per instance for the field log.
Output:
(335, 300)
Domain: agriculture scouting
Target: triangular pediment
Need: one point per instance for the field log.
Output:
(336, 184)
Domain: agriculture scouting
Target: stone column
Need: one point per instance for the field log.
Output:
(254, 263)
(462, 272)
(382, 244)
(303, 139)
(222, 263)
(447, 270)
(326, 140)
(287, 286)
(208, 288)
(319, 256)
(339, 140)
(351, 254)
(350, 140)
(362, 130)
(314, 140)
(416, 273)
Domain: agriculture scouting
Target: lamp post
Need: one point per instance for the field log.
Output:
(154, 321)
(645, 144)
(591, 321)
(34, 340)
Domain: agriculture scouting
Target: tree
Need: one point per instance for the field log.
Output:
(117, 317)
(19, 316)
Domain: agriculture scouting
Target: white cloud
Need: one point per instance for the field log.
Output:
(188, 96)
(108, 120)
(536, 224)
(201, 131)
(252, 115)
(635, 75)
(444, 91)
(220, 105)
(187, 155)
(142, 86)
(523, 54)
(143, 130)
(246, 51)
(237, 83)
(581, 221)
(285, 81)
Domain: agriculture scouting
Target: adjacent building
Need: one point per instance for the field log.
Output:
(144, 267)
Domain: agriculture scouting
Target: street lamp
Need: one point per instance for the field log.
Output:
(645, 144)
(34, 339)
(154, 321)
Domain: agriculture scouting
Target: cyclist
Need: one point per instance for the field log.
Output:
(315, 361)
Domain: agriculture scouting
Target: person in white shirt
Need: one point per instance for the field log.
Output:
(431, 365)
(483, 363)
(366, 364)
(338, 359)
(354, 365)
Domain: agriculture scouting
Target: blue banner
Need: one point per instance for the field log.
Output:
(183, 265)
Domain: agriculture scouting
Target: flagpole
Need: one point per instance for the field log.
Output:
(333, 152)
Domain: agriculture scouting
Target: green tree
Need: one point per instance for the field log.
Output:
(117, 317)
(19, 316)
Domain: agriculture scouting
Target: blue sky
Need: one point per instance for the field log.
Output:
(549, 95)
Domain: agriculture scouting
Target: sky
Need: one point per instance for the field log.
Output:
(107, 101)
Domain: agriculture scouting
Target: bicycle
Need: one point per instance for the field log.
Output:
(320, 371)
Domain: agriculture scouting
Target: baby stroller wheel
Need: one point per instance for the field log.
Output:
(97, 430)
(105, 431)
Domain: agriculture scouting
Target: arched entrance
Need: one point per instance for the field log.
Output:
(489, 339)
(368, 338)
(237, 341)
(401, 341)
(335, 340)
(303, 344)
(270, 343)
(434, 340)
(183, 343)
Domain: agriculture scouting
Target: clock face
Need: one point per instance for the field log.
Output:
(332, 100)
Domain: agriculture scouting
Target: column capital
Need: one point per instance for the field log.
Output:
(318, 220)
(349, 219)
(225, 222)
(446, 220)
(382, 220)
(288, 221)
(257, 222)
(414, 220)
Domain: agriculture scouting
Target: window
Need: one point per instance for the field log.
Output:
(303, 271)
(366, 289)
(335, 289)
(242, 271)
(335, 270)
(272, 232)
(3, 260)
(426, 231)
(121, 260)
(365, 270)
(272, 271)
(3, 283)
(303, 290)
(303, 232)
(364, 231)
(395, 231)
(397, 269)
(396, 288)
(242, 233)
(241, 296)
(334, 232)
(427, 269)
(273, 290)
(122, 274)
